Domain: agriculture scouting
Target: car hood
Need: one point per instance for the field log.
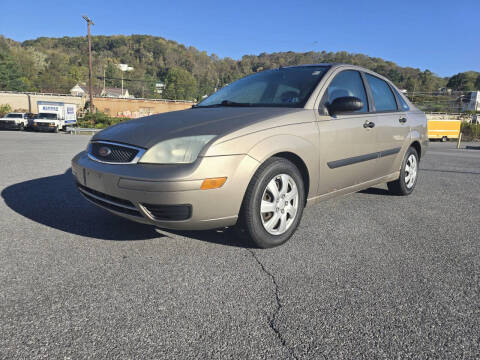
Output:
(148, 131)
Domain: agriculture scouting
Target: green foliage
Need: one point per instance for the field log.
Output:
(466, 81)
(180, 84)
(56, 64)
(470, 131)
(5, 109)
(99, 120)
(112, 74)
(10, 75)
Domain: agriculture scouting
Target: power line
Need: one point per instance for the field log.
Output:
(138, 80)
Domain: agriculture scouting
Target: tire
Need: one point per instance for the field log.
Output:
(272, 228)
(22, 127)
(444, 139)
(405, 185)
(56, 129)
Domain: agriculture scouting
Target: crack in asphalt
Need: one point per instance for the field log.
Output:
(272, 320)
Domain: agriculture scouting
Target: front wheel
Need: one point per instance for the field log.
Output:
(405, 184)
(273, 204)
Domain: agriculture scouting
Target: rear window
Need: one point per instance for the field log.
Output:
(382, 94)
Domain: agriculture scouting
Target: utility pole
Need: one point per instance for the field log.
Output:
(90, 71)
(123, 68)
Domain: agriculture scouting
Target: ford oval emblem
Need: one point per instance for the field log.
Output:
(104, 151)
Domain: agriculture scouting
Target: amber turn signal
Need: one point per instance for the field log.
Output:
(213, 183)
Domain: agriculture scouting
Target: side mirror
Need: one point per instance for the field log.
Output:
(345, 104)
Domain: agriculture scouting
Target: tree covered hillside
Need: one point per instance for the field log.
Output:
(56, 64)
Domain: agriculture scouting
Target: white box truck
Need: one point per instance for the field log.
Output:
(54, 116)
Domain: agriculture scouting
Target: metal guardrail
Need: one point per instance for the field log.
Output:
(76, 131)
(97, 97)
(444, 113)
(147, 99)
(37, 93)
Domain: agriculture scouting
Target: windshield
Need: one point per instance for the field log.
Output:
(47, 116)
(15, 116)
(285, 87)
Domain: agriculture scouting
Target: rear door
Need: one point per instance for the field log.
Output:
(347, 146)
(391, 124)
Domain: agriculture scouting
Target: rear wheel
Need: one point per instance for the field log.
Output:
(273, 204)
(444, 139)
(405, 184)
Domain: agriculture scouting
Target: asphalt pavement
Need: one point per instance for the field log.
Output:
(367, 275)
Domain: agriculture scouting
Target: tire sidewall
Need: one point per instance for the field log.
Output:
(254, 223)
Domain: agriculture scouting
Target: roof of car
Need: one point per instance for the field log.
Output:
(325, 64)
(337, 65)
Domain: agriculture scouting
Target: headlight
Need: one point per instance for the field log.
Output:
(182, 150)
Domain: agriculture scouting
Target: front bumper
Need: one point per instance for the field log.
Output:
(10, 125)
(43, 127)
(132, 190)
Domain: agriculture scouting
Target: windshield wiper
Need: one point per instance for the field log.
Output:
(233, 103)
(224, 103)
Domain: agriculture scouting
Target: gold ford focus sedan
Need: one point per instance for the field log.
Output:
(256, 152)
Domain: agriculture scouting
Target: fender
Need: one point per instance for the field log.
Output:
(298, 146)
(259, 146)
(413, 136)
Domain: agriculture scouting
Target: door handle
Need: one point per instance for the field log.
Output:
(403, 120)
(368, 124)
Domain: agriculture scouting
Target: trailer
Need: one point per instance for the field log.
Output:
(443, 129)
(54, 116)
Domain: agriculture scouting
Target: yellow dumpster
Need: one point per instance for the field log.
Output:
(443, 129)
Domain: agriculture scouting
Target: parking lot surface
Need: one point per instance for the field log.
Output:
(368, 275)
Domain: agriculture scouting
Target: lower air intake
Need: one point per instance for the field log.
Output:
(169, 212)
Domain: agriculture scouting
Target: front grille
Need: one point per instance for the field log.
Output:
(108, 201)
(113, 153)
(9, 122)
(169, 212)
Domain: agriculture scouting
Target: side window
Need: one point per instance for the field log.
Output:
(382, 94)
(347, 83)
(403, 103)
